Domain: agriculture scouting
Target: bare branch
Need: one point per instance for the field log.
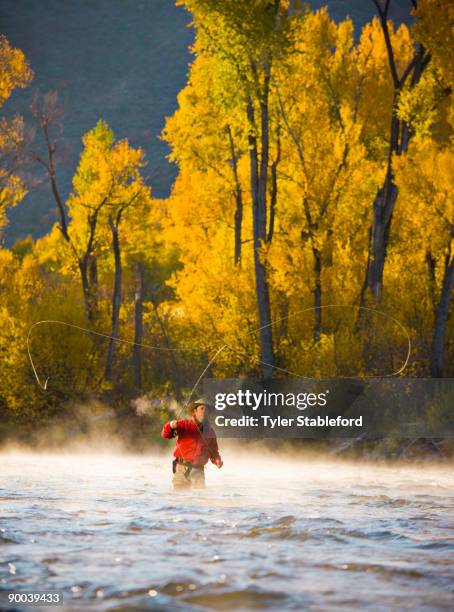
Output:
(383, 14)
(47, 111)
(291, 131)
(273, 198)
(408, 69)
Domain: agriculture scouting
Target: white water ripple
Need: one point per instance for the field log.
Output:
(265, 534)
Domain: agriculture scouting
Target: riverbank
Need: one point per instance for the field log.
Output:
(135, 427)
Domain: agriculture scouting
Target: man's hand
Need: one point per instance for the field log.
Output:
(173, 424)
(218, 462)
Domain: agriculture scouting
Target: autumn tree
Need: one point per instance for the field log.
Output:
(249, 40)
(206, 134)
(325, 165)
(131, 192)
(15, 72)
(426, 178)
(148, 264)
(107, 182)
(433, 29)
(404, 73)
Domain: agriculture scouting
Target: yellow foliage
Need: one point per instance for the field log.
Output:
(434, 27)
(107, 179)
(426, 180)
(14, 72)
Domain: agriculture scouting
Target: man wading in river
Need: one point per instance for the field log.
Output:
(196, 443)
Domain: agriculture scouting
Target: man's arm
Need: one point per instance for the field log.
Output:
(172, 428)
(215, 457)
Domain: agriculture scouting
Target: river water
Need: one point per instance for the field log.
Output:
(265, 534)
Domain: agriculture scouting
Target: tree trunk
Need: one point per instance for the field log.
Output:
(258, 193)
(282, 330)
(381, 226)
(176, 379)
(87, 292)
(88, 270)
(430, 261)
(138, 326)
(51, 172)
(116, 296)
(238, 223)
(273, 196)
(317, 295)
(441, 319)
(238, 199)
(93, 281)
(400, 136)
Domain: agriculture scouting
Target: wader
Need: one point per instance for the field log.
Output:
(187, 475)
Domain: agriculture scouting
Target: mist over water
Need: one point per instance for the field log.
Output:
(266, 533)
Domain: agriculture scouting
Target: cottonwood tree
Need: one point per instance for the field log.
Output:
(206, 134)
(249, 40)
(406, 75)
(106, 184)
(325, 167)
(15, 72)
(426, 180)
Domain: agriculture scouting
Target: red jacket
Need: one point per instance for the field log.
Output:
(194, 442)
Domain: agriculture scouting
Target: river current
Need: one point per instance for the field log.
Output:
(266, 534)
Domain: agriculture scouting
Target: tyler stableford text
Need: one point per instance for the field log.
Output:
(265, 420)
